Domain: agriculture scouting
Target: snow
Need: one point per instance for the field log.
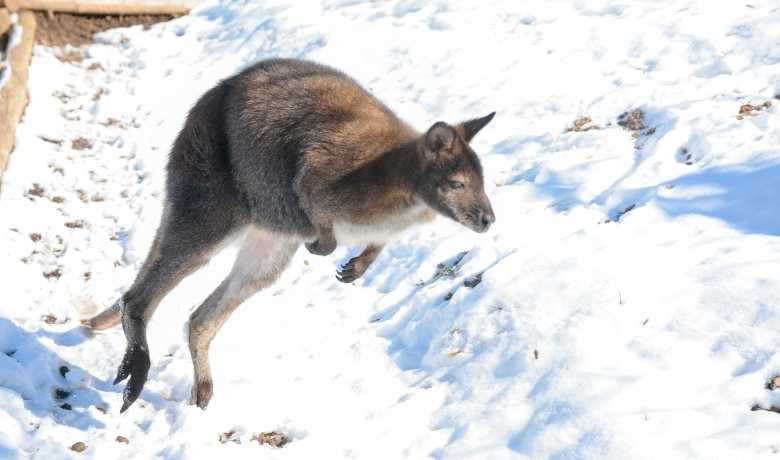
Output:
(595, 332)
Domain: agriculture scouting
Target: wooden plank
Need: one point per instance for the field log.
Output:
(13, 95)
(97, 7)
(5, 19)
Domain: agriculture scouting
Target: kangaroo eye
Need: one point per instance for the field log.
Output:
(455, 184)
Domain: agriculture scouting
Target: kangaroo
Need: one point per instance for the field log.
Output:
(284, 153)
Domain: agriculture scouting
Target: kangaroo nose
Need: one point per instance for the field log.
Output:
(487, 220)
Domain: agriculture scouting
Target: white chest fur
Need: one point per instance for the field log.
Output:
(383, 230)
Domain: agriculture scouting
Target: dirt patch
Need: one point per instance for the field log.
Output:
(60, 29)
(633, 120)
(80, 144)
(75, 224)
(746, 110)
(582, 124)
(98, 94)
(56, 274)
(229, 436)
(36, 191)
(273, 438)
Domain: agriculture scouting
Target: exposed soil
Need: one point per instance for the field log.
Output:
(59, 29)
(80, 144)
(750, 109)
(582, 124)
(633, 120)
(271, 438)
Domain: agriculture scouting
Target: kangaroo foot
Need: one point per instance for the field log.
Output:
(202, 393)
(135, 365)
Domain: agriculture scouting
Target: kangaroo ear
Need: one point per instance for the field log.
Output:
(470, 128)
(439, 138)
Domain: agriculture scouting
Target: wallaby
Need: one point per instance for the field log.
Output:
(283, 153)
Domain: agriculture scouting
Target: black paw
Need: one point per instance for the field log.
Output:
(320, 248)
(350, 271)
(135, 365)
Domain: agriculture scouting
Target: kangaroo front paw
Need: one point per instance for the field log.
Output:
(321, 247)
(351, 271)
(135, 365)
(202, 393)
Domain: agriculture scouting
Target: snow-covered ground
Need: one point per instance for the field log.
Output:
(630, 297)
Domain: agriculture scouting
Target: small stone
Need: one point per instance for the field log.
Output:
(59, 393)
(64, 370)
(35, 237)
(122, 439)
(78, 447)
(66, 406)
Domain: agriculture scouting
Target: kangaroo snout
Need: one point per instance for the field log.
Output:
(485, 220)
(483, 217)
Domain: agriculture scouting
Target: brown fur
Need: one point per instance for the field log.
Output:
(289, 152)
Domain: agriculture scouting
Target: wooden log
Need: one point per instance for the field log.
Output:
(95, 7)
(5, 19)
(13, 95)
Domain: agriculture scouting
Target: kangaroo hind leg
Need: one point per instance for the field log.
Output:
(181, 247)
(263, 256)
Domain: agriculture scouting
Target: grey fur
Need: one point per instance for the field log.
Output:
(289, 152)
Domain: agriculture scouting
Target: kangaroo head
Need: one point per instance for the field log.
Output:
(451, 181)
